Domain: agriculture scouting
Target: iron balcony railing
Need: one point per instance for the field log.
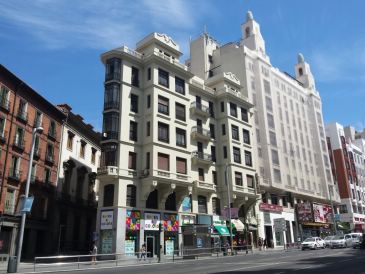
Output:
(202, 156)
(111, 105)
(4, 103)
(113, 76)
(15, 174)
(19, 142)
(52, 133)
(22, 115)
(200, 130)
(200, 107)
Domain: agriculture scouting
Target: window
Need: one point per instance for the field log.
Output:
(250, 182)
(134, 103)
(163, 105)
(274, 199)
(111, 96)
(224, 152)
(246, 136)
(275, 157)
(22, 112)
(112, 69)
(52, 129)
(70, 138)
(148, 156)
(222, 106)
(211, 109)
(277, 176)
(163, 78)
(179, 85)
(212, 131)
(201, 174)
(38, 119)
(132, 160)
(82, 149)
(248, 158)
(149, 74)
(233, 109)
(4, 94)
(236, 155)
(148, 101)
(212, 149)
(180, 112)
(135, 77)
(202, 204)
(216, 206)
(14, 168)
(109, 155)
(300, 71)
(47, 176)
(93, 155)
(148, 128)
(163, 132)
(215, 179)
(235, 134)
(180, 137)
(163, 162)
(270, 121)
(49, 152)
(108, 195)
(131, 195)
(210, 58)
(181, 165)
(238, 179)
(267, 87)
(9, 201)
(19, 137)
(244, 115)
(223, 129)
(272, 136)
(133, 127)
(2, 127)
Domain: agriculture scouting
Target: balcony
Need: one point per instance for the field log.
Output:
(199, 133)
(37, 123)
(199, 109)
(4, 104)
(19, 143)
(111, 105)
(201, 158)
(9, 208)
(22, 116)
(3, 136)
(204, 186)
(108, 171)
(232, 92)
(37, 153)
(52, 134)
(15, 175)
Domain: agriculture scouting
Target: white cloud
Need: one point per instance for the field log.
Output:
(99, 24)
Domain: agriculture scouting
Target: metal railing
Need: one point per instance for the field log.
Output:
(200, 130)
(202, 156)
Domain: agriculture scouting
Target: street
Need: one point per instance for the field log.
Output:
(277, 262)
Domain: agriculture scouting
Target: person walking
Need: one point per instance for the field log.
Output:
(265, 243)
(94, 252)
(260, 243)
(143, 252)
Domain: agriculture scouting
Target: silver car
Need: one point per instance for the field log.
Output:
(340, 241)
(328, 241)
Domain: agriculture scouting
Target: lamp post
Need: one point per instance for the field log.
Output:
(229, 206)
(22, 225)
(330, 189)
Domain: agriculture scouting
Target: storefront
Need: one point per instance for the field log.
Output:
(171, 233)
(133, 227)
(106, 231)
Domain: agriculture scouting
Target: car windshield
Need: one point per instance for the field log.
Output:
(329, 238)
(338, 238)
(309, 240)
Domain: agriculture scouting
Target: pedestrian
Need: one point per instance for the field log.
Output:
(260, 243)
(265, 243)
(143, 252)
(94, 252)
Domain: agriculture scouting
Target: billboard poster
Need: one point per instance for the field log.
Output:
(106, 244)
(129, 247)
(106, 220)
(322, 213)
(171, 222)
(169, 245)
(304, 211)
(133, 220)
(186, 204)
(151, 221)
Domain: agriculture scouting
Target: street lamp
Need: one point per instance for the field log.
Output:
(330, 191)
(21, 232)
(229, 206)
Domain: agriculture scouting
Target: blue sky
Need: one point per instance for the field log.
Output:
(55, 46)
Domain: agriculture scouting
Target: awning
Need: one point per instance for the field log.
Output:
(222, 230)
(238, 224)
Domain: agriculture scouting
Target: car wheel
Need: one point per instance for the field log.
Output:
(315, 246)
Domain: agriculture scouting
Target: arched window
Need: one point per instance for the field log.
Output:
(170, 203)
(216, 205)
(152, 200)
(131, 195)
(247, 32)
(108, 195)
(300, 71)
(202, 204)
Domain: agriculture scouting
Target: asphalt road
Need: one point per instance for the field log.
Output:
(338, 261)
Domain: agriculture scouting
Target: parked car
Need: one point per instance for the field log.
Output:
(359, 242)
(313, 243)
(341, 241)
(355, 237)
(327, 240)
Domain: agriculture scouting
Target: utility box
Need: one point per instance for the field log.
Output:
(12, 264)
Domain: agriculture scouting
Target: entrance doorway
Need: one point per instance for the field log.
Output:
(150, 245)
(268, 235)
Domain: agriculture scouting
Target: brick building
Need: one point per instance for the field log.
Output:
(22, 109)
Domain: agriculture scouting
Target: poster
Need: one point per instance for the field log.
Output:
(106, 220)
(169, 246)
(187, 219)
(129, 247)
(186, 204)
(322, 213)
(106, 241)
(171, 222)
(133, 220)
(304, 212)
(151, 221)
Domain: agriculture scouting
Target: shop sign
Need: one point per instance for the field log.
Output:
(188, 219)
(151, 221)
(106, 220)
(234, 213)
(171, 222)
(322, 213)
(169, 246)
(271, 207)
(133, 220)
(106, 237)
(304, 212)
(279, 225)
(129, 247)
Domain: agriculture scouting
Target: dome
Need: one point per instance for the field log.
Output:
(300, 58)
(249, 16)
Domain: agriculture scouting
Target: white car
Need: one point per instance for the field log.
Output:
(328, 241)
(341, 241)
(313, 243)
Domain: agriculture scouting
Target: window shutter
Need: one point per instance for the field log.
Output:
(163, 161)
(180, 165)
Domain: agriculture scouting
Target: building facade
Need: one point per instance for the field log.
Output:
(22, 109)
(348, 166)
(168, 138)
(292, 156)
(76, 201)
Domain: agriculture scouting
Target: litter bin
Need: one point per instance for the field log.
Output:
(12, 264)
